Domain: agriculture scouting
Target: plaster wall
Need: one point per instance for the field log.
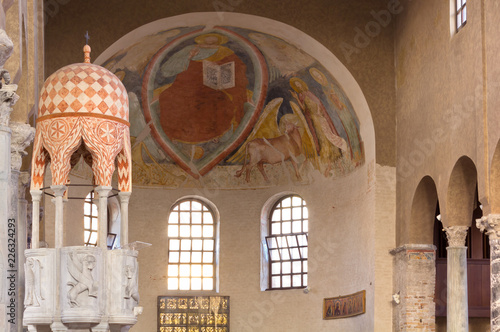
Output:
(334, 24)
(491, 49)
(385, 241)
(346, 255)
(439, 82)
(341, 250)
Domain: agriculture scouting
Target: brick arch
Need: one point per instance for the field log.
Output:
(423, 211)
(495, 181)
(461, 193)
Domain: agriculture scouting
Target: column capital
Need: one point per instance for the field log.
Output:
(124, 196)
(22, 136)
(456, 235)
(103, 191)
(490, 225)
(58, 189)
(36, 194)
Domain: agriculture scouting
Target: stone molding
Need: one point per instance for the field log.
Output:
(490, 225)
(419, 247)
(456, 235)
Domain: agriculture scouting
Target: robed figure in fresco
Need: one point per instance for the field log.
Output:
(206, 99)
(328, 144)
(347, 119)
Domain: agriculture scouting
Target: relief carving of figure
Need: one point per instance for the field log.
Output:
(33, 296)
(131, 289)
(80, 267)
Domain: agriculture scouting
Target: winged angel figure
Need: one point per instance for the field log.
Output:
(80, 268)
(272, 142)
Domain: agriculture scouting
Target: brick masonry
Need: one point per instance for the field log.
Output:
(414, 282)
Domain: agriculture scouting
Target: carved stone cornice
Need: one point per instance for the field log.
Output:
(22, 136)
(490, 224)
(8, 98)
(456, 235)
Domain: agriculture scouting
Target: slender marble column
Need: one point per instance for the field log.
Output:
(103, 192)
(22, 136)
(5, 135)
(36, 196)
(491, 225)
(59, 191)
(457, 305)
(59, 222)
(22, 241)
(124, 199)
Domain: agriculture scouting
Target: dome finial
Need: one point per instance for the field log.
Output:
(86, 48)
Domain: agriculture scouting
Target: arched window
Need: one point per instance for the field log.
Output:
(287, 243)
(191, 246)
(90, 221)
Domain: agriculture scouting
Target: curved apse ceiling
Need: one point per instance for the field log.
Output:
(230, 106)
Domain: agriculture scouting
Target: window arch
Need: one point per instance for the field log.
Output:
(287, 243)
(90, 221)
(192, 242)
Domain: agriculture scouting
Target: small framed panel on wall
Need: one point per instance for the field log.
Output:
(193, 313)
(344, 306)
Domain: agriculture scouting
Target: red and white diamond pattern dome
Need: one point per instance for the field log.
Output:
(83, 107)
(83, 88)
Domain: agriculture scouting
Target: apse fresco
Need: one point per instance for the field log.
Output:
(229, 106)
